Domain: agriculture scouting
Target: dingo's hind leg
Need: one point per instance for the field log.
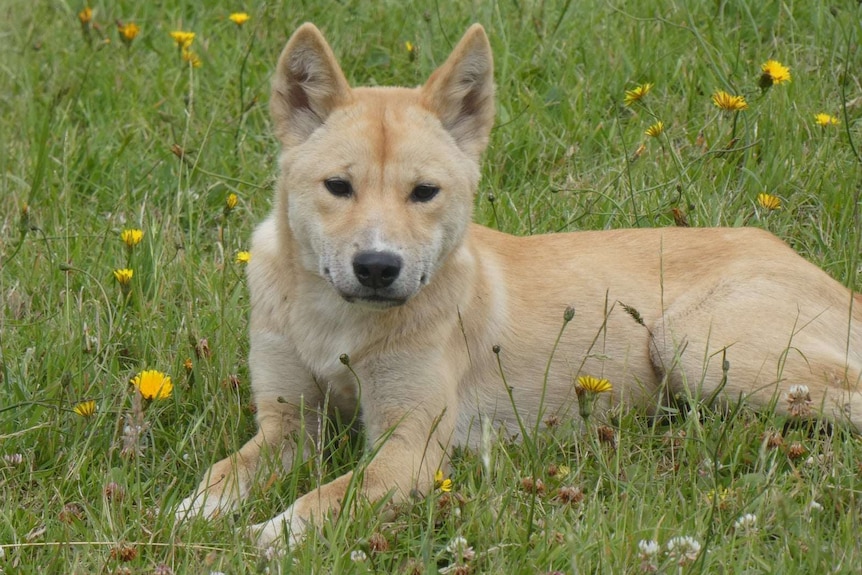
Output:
(748, 347)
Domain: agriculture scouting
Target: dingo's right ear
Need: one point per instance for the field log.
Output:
(307, 86)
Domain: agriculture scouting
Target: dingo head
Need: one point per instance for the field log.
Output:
(377, 184)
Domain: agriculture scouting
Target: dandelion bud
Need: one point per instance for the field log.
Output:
(128, 32)
(569, 314)
(344, 358)
(24, 221)
(85, 16)
(230, 202)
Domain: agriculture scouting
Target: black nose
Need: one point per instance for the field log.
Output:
(376, 269)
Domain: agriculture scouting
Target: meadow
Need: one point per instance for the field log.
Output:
(608, 117)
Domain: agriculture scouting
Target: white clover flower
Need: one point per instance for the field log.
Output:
(683, 549)
(746, 524)
(13, 459)
(798, 390)
(358, 556)
(649, 555)
(459, 548)
(456, 545)
(648, 548)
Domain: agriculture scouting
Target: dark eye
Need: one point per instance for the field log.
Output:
(338, 187)
(423, 193)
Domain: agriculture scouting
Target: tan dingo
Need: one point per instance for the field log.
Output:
(369, 258)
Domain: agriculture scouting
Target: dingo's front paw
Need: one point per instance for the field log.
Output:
(271, 533)
(204, 504)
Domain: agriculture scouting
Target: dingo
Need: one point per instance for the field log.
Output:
(370, 258)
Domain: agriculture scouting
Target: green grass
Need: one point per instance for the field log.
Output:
(88, 128)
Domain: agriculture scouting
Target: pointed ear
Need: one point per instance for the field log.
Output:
(307, 86)
(461, 92)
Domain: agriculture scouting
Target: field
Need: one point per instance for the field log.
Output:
(107, 127)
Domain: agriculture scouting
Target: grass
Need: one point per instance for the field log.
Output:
(99, 137)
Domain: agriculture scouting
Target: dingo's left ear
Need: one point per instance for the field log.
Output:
(307, 86)
(461, 92)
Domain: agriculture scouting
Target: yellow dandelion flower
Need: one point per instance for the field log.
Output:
(231, 201)
(187, 364)
(85, 409)
(588, 389)
(411, 50)
(637, 93)
(444, 485)
(239, 18)
(85, 15)
(728, 102)
(128, 32)
(153, 384)
(594, 384)
(124, 276)
(774, 72)
(132, 237)
(722, 495)
(243, 257)
(769, 202)
(655, 130)
(183, 39)
(191, 58)
(826, 120)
